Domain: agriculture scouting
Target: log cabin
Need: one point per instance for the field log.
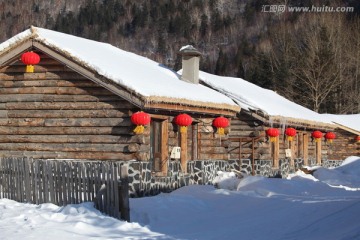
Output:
(78, 102)
(262, 109)
(347, 141)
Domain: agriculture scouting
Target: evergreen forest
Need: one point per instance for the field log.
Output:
(311, 58)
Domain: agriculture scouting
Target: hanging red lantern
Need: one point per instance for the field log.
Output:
(357, 139)
(290, 133)
(30, 59)
(273, 133)
(183, 120)
(330, 136)
(317, 135)
(221, 123)
(140, 119)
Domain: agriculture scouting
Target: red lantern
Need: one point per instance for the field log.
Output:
(272, 133)
(290, 133)
(140, 119)
(30, 59)
(317, 135)
(330, 136)
(183, 120)
(221, 123)
(357, 139)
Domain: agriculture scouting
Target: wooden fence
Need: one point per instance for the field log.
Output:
(63, 182)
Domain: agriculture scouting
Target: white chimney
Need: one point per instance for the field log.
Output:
(190, 64)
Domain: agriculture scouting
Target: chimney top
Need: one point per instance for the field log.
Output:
(189, 50)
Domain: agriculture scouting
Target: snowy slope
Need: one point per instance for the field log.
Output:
(323, 206)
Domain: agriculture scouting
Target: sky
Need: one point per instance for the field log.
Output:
(325, 205)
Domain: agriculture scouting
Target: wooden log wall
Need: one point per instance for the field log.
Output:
(245, 126)
(57, 113)
(208, 145)
(343, 146)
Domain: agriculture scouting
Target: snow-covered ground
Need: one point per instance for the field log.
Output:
(323, 206)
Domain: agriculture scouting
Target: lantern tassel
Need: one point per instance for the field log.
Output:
(221, 131)
(330, 141)
(139, 129)
(29, 68)
(317, 139)
(183, 129)
(289, 138)
(272, 139)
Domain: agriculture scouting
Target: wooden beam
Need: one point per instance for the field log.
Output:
(164, 147)
(305, 148)
(183, 153)
(318, 153)
(276, 147)
(190, 109)
(292, 148)
(12, 56)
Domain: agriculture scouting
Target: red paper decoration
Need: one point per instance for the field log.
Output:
(30, 59)
(140, 119)
(183, 120)
(290, 133)
(330, 136)
(357, 139)
(272, 133)
(221, 123)
(317, 135)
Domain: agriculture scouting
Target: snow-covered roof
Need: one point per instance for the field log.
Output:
(351, 120)
(141, 76)
(267, 102)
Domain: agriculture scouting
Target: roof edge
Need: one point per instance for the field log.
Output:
(346, 128)
(301, 122)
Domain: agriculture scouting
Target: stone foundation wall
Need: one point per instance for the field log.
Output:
(143, 183)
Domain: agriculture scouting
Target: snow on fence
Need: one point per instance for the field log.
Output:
(66, 182)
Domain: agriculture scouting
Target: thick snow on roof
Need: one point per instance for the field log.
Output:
(351, 120)
(252, 97)
(142, 75)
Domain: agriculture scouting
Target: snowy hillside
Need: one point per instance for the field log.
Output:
(323, 206)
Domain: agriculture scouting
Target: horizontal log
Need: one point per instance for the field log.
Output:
(249, 156)
(240, 133)
(66, 130)
(246, 128)
(56, 98)
(43, 61)
(213, 150)
(63, 113)
(88, 122)
(30, 122)
(74, 147)
(212, 156)
(140, 139)
(47, 83)
(57, 90)
(41, 76)
(70, 155)
(37, 68)
(65, 105)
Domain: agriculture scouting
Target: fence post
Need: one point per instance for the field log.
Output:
(124, 194)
